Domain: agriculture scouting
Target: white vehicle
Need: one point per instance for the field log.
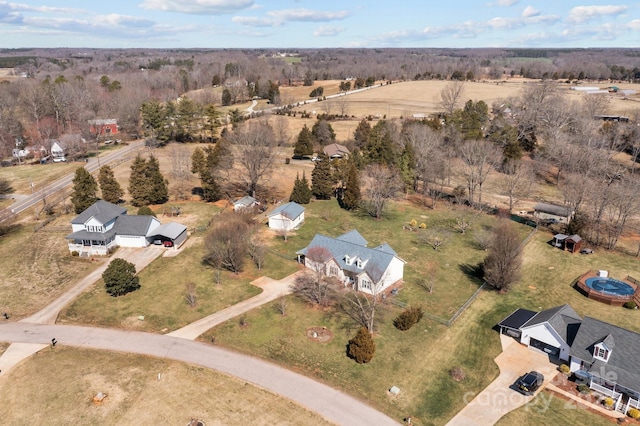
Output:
(59, 159)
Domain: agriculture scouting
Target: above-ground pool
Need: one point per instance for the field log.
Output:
(606, 290)
(610, 286)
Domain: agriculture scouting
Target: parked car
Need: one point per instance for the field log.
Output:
(529, 383)
(59, 159)
(586, 251)
(168, 243)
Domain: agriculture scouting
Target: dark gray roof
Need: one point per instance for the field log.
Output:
(517, 318)
(375, 261)
(575, 238)
(563, 319)
(624, 359)
(560, 237)
(354, 237)
(95, 236)
(133, 225)
(101, 210)
(290, 210)
(170, 230)
(553, 209)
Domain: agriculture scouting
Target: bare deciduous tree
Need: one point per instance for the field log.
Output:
(479, 157)
(463, 223)
(517, 182)
(450, 96)
(281, 305)
(504, 261)
(482, 239)
(314, 286)
(191, 296)
(257, 151)
(381, 185)
(257, 251)
(181, 171)
(362, 308)
(435, 237)
(226, 243)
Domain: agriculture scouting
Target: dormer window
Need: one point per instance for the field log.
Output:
(348, 260)
(359, 263)
(601, 352)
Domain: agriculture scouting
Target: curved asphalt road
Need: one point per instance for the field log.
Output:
(332, 404)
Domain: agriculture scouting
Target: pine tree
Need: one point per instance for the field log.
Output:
(138, 182)
(362, 347)
(361, 134)
(321, 179)
(301, 192)
(304, 144)
(109, 186)
(84, 190)
(380, 147)
(159, 192)
(120, 277)
(351, 196)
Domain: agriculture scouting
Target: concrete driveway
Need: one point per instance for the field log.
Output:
(497, 399)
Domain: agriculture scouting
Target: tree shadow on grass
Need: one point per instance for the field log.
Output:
(474, 272)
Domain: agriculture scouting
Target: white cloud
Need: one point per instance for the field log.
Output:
(280, 17)
(202, 7)
(529, 12)
(503, 3)
(327, 31)
(580, 14)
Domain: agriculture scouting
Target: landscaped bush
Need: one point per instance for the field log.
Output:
(584, 388)
(608, 402)
(75, 253)
(630, 304)
(407, 318)
(362, 347)
(564, 368)
(634, 413)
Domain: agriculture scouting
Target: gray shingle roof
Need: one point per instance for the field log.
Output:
(353, 237)
(133, 225)
(517, 318)
(563, 319)
(103, 212)
(290, 210)
(624, 359)
(553, 209)
(374, 260)
(247, 200)
(170, 230)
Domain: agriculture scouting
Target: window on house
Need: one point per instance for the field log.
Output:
(333, 271)
(601, 353)
(359, 263)
(365, 284)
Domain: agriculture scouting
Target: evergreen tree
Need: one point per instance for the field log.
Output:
(380, 148)
(146, 183)
(323, 132)
(109, 186)
(304, 144)
(226, 97)
(159, 192)
(351, 197)
(206, 163)
(146, 211)
(301, 192)
(120, 277)
(361, 134)
(407, 165)
(198, 161)
(84, 190)
(321, 179)
(362, 347)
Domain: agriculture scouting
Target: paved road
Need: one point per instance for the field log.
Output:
(332, 404)
(498, 398)
(271, 290)
(94, 164)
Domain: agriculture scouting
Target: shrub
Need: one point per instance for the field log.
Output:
(362, 347)
(630, 304)
(146, 211)
(565, 369)
(457, 374)
(423, 225)
(407, 318)
(608, 402)
(413, 222)
(634, 413)
(583, 388)
(120, 277)
(75, 253)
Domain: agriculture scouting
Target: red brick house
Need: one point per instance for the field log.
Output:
(104, 127)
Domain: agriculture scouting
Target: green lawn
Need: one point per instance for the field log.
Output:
(21, 177)
(548, 409)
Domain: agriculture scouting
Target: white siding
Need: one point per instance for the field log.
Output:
(281, 223)
(131, 241)
(546, 334)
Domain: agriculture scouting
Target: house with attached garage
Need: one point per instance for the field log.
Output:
(286, 217)
(347, 258)
(604, 356)
(104, 226)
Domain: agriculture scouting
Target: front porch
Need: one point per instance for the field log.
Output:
(87, 248)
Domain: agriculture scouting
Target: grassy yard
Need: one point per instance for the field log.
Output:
(548, 409)
(36, 393)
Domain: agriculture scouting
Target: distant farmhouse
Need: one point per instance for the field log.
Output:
(335, 150)
(104, 226)
(553, 213)
(246, 202)
(602, 354)
(104, 127)
(347, 257)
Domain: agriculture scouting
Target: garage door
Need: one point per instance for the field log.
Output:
(546, 348)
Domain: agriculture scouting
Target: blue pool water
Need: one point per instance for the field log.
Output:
(609, 286)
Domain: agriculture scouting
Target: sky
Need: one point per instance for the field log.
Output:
(318, 23)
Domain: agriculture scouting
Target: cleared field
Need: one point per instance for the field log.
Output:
(140, 390)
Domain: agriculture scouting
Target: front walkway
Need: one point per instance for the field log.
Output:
(499, 398)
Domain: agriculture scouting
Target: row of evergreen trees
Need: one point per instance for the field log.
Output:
(146, 185)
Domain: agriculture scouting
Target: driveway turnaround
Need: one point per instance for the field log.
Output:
(333, 405)
(499, 398)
